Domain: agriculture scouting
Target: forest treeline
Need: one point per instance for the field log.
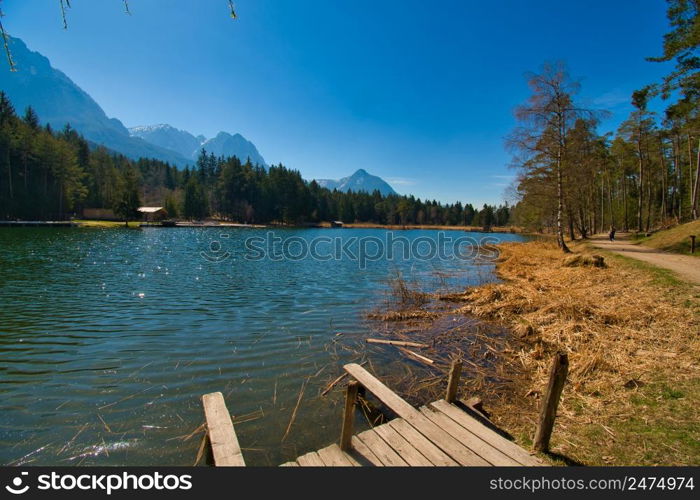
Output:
(646, 175)
(47, 174)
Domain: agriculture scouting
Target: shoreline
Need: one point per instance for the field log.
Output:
(208, 224)
(634, 381)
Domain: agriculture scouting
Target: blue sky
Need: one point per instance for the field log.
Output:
(420, 93)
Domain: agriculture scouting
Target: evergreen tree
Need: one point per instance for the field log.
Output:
(195, 203)
(31, 118)
(171, 206)
(128, 200)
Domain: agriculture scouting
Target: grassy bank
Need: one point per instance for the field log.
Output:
(631, 332)
(675, 239)
(104, 223)
(368, 225)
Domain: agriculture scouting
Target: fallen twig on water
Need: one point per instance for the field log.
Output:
(397, 343)
(187, 437)
(104, 423)
(417, 356)
(200, 451)
(294, 412)
(335, 382)
(65, 446)
(249, 417)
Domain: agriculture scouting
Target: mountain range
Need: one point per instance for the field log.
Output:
(359, 181)
(59, 101)
(189, 146)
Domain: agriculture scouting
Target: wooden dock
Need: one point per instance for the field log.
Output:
(439, 434)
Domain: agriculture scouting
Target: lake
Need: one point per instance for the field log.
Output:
(109, 337)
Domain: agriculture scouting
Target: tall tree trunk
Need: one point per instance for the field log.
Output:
(648, 223)
(572, 231)
(610, 202)
(690, 177)
(679, 178)
(594, 211)
(640, 184)
(664, 183)
(625, 226)
(696, 186)
(583, 224)
(673, 210)
(560, 206)
(602, 204)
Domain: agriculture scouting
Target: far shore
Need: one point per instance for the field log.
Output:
(97, 223)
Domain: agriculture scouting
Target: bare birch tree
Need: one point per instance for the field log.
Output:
(539, 142)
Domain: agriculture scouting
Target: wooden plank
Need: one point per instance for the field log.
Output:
(224, 443)
(397, 343)
(363, 454)
(401, 446)
(311, 459)
(290, 464)
(381, 449)
(421, 443)
(420, 422)
(493, 438)
(550, 403)
(453, 381)
(333, 456)
(477, 445)
(348, 415)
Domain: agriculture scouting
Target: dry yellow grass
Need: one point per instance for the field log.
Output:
(370, 225)
(105, 223)
(626, 333)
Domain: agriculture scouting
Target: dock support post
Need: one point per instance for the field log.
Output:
(349, 415)
(548, 412)
(453, 381)
(692, 243)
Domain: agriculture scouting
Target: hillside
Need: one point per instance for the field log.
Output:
(59, 101)
(676, 239)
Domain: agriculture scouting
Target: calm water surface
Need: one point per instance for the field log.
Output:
(108, 339)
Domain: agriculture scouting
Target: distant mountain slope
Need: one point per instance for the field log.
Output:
(233, 145)
(58, 100)
(359, 181)
(188, 145)
(166, 136)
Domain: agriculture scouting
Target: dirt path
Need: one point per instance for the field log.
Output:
(687, 268)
